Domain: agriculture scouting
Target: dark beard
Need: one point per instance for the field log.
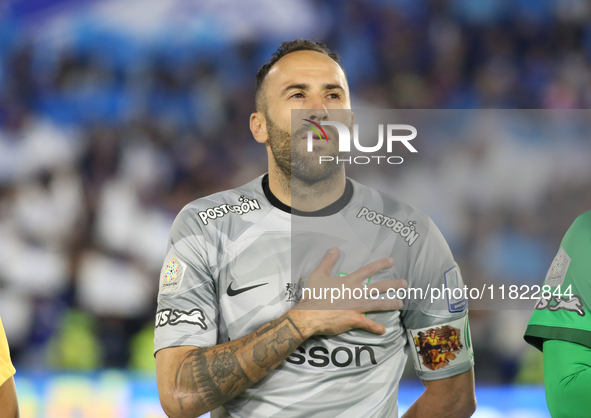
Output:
(291, 162)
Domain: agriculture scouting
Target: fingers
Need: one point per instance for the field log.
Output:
(371, 326)
(372, 268)
(328, 261)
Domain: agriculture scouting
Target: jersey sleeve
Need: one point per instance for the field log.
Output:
(6, 367)
(434, 307)
(564, 313)
(187, 311)
(567, 378)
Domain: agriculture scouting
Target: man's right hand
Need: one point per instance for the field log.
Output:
(327, 317)
(194, 380)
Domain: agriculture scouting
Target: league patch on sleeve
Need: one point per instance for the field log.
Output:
(456, 302)
(558, 268)
(441, 346)
(172, 274)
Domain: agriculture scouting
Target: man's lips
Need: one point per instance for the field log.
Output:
(303, 134)
(314, 137)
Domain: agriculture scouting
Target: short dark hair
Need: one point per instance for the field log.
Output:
(285, 48)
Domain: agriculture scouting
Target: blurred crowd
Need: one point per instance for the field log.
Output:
(103, 139)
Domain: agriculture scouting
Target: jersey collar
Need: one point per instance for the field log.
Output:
(331, 209)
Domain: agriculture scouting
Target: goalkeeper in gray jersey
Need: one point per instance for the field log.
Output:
(237, 332)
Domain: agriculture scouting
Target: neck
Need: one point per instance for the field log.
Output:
(303, 196)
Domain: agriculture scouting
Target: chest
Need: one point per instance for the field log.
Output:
(260, 276)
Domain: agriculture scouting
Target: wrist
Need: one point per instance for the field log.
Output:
(304, 321)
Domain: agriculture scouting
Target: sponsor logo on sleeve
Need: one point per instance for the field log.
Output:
(556, 303)
(244, 206)
(408, 232)
(175, 317)
(172, 274)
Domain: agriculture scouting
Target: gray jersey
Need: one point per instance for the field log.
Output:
(235, 262)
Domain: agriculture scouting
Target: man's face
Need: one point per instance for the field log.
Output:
(304, 80)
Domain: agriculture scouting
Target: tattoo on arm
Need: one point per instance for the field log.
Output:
(209, 377)
(266, 352)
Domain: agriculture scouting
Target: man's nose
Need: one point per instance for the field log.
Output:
(318, 113)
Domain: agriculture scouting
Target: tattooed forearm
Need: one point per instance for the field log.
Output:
(266, 352)
(209, 377)
(208, 373)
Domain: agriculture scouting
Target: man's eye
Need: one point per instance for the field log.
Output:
(334, 95)
(298, 96)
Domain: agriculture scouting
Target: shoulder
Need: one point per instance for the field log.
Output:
(240, 206)
(385, 203)
(585, 219)
(385, 210)
(577, 240)
(228, 201)
(581, 227)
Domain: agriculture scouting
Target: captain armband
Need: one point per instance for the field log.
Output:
(445, 346)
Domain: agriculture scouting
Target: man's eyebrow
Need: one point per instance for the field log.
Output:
(333, 87)
(304, 86)
(297, 86)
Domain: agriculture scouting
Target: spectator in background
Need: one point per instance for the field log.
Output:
(8, 399)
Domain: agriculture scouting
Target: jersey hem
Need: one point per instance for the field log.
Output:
(536, 334)
(7, 373)
(198, 343)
